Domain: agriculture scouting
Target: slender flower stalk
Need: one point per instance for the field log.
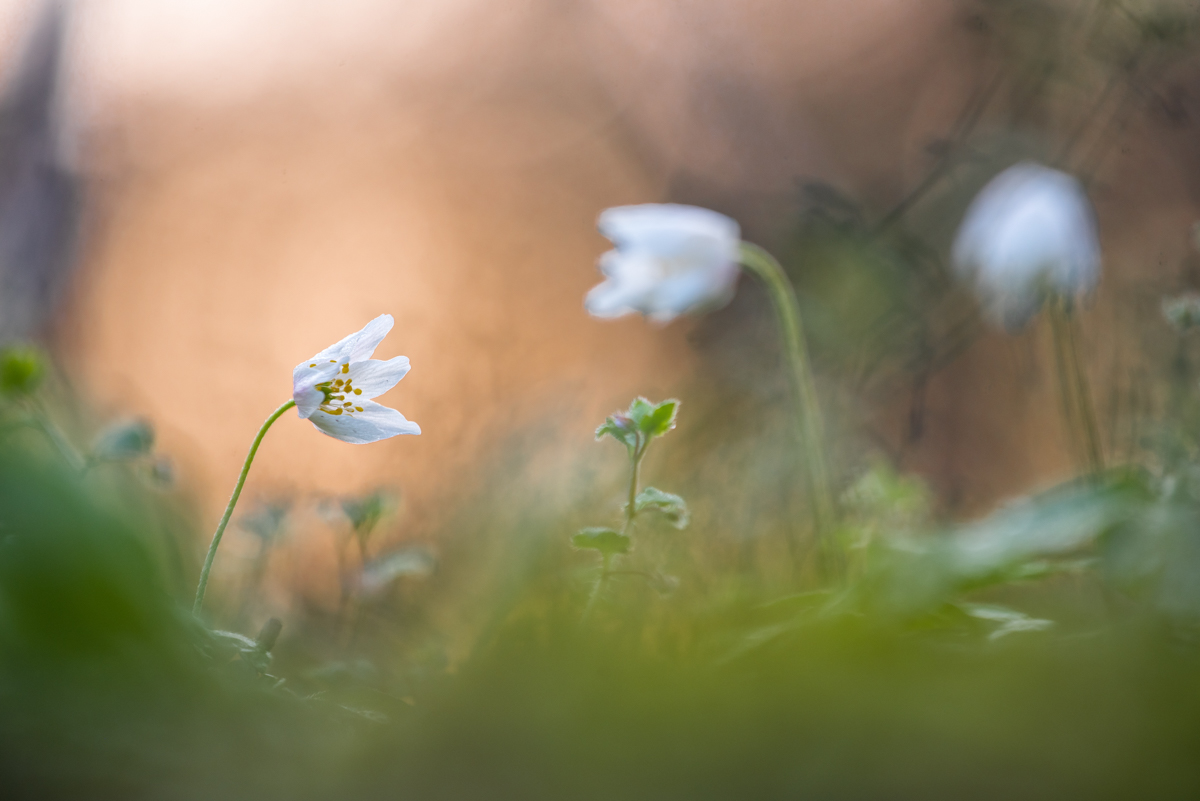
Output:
(1073, 384)
(671, 260)
(636, 453)
(1028, 239)
(811, 426)
(333, 390)
(233, 499)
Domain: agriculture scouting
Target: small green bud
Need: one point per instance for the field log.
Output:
(21, 369)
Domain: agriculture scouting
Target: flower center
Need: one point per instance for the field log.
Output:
(335, 392)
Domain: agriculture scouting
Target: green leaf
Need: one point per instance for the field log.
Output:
(639, 410)
(653, 419)
(662, 419)
(670, 506)
(124, 440)
(365, 512)
(266, 520)
(642, 422)
(1007, 621)
(605, 540)
(414, 562)
(621, 428)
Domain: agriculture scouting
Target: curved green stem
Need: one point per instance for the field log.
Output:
(233, 499)
(808, 412)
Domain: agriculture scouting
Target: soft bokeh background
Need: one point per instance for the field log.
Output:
(260, 178)
(197, 196)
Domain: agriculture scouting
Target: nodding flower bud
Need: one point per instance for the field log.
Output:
(669, 260)
(1028, 235)
(21, 369)
(1182, 312)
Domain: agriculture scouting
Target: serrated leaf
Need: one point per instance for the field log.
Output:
(672, 507)
(639, 410)
(605, 540)
(661, 419)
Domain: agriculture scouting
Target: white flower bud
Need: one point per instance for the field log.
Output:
(669, 260)
(1030, 233)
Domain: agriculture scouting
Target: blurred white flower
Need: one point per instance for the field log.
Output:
(333, 389)
(669, 259)
(1029, 234)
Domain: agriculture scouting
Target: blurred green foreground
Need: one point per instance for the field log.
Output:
(918, 680)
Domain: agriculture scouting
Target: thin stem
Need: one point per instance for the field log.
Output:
(1074, 384)
(630, 514)
(233, 499)
(812, 428)
(41, 420)
(634, 480)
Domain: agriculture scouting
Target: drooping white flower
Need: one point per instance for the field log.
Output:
(333, 389)
(669, 259)
(1030, 233)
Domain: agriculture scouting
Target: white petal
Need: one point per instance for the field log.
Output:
(669, 260)
(1029, 231)
(370, 337)
(375, 377)
(608, 300)
(633, 225)
(305, 378)
(696, 290)
(359, 345)
(374, 423)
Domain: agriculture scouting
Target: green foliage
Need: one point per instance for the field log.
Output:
(365, 512)
(1182, 312)
(605, 540)
(22, 368)
(266, 520)
(621, 428)
(672, 507)
(123, 441)
(643, 422)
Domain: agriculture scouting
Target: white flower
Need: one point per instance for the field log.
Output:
(669, 260)
(1030, 233)
(334, 388)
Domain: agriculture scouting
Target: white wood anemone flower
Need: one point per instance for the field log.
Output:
(669, 260)
(334, 389)
(1029, 234)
